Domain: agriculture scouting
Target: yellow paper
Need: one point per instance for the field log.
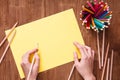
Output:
(55, 35)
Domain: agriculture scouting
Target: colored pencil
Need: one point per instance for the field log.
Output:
(103, 44)
(86, 19)
(31, 67)
(95, 1)
(90, 6)
(108, 66)
(98, 47)
(71, 71)
(103, 14)
(12, 29)
(111, 64)
(87, 10)
(104, 19)
(100, 10)
(96, 7)
(6, 49)
(93, 23)
(88, 25)
(30, 70)
(99, 24)
(106, 56)
(110, 12)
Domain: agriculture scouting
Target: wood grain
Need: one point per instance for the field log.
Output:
(25, 11)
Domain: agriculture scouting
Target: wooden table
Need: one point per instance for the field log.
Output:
(26, 11)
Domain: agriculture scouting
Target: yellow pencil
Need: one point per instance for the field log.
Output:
(93, 23)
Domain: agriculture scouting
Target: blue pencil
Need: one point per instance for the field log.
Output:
(104, 14)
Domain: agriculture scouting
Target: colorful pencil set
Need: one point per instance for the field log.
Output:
(95, 15)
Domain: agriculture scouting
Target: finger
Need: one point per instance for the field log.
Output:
(27, 55)
(88, 51)
(76, 58)
(37, 61)
(93, 58)
(36, 64)
(32, 51)
(77, 44)
(80, 49)
(93, 54)
(23, 70)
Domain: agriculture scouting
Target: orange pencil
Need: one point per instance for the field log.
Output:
(93, 24)
(110, 12)
(87, 10)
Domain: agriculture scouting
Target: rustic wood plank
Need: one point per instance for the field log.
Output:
(26, 11)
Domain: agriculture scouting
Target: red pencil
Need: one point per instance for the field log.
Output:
(90, 6)
(88, 25)
(95, 2)
(100, 10)
(87, 17)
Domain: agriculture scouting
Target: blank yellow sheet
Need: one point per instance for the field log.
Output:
(55, 35)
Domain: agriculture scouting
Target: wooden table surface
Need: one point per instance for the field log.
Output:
(26, 11)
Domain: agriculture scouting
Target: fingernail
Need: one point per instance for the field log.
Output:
(74, 53)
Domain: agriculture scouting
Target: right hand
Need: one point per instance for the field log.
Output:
(25, 64)
(85, 66)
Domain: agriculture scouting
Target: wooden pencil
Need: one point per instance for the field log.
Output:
(107, 72)
(103, 71)
(98, 47)
(12, 29)
(31, 67)
(111, 64)
(30, 70)
(103, 44)
(71, 71)
(5, 51)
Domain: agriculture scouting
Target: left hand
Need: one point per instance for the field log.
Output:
(85, 66)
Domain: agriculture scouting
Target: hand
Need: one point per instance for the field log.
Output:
(26, 64)
(85, 66)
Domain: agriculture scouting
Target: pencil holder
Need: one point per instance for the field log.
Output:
(95, 15)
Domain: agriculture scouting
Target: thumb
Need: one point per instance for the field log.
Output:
(37, 61)
(76, 58)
